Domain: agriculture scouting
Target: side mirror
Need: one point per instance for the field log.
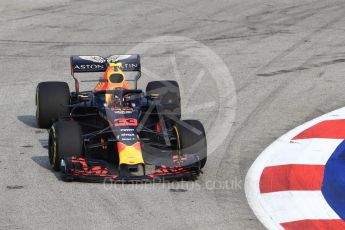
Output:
(83, 97)
(154, 95)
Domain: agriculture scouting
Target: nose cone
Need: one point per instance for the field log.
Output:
(130, 154)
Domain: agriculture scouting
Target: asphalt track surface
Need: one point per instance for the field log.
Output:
(286, 60)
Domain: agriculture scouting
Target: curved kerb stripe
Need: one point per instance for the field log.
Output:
(286, 185)
(291, 177)
(332, 129)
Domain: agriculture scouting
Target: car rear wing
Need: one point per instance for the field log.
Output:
(98, 64)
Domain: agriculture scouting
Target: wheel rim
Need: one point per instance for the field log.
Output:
(63, 166)
(178, 142)
(52, 148)
(37, 106)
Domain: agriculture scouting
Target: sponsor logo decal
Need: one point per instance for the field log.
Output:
(127, 130)
(125, 122)
(118, 58)
(97, 59)
(123, 111)
(128, 139)
(89, 67)
(127, 134)
(130, 66)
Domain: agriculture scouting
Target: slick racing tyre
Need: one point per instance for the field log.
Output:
(52, 99)
(65, 140)
(168, 95)
(192, 139)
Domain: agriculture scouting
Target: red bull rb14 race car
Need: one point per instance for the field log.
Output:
(116, 132)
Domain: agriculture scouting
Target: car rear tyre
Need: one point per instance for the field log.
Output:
(192, 139)
(51, 101)
(168, 94)
(65, 140)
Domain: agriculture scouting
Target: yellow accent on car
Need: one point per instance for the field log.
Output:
(131, 155)
(177, 137)
(116, 70)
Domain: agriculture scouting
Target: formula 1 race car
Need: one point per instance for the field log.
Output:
(117, 132)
